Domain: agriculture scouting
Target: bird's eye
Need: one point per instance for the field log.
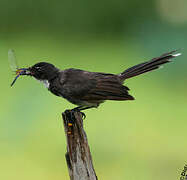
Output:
(39, 68)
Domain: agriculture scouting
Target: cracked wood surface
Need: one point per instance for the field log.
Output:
(78, 156)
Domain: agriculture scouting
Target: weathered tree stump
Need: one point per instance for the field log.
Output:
(78, 156)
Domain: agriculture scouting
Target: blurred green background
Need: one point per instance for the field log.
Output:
(142, 139)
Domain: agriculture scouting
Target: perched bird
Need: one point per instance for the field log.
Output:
(90, 89)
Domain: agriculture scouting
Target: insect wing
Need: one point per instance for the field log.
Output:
(12, 60)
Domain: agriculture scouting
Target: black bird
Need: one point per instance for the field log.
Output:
(90, 89)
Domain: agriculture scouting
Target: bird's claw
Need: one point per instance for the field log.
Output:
(78, 110)
(70, 113)
(83, 115)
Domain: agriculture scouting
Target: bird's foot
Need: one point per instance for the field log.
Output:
(78, 110)
(71, 119)
(70, 113)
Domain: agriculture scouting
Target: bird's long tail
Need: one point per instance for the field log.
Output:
(151, 65)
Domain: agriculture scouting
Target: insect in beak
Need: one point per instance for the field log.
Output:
(20, 72)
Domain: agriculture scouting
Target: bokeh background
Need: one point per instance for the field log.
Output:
(142, 139)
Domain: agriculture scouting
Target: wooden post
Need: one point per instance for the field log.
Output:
(78, 156)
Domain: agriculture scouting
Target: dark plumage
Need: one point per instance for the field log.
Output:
(89, 89)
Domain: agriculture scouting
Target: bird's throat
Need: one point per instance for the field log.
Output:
(46, 83)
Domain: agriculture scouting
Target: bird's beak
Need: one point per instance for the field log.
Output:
(23, 71)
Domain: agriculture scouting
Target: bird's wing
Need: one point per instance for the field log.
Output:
(76, 82)
(108, 87)
(89, 86)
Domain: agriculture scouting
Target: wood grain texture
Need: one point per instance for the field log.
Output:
(78, 156)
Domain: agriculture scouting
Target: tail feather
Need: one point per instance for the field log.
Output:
(151, 65)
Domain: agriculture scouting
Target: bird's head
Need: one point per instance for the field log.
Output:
(40, 71)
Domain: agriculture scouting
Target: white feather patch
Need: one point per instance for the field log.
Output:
(175, 55)
(46, 83)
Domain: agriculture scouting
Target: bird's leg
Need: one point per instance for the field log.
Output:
(71, 118)
(84, 108)
(81, 108)
(78, 109)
